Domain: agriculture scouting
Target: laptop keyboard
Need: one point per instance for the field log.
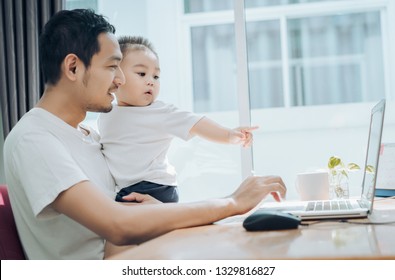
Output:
(329, 205)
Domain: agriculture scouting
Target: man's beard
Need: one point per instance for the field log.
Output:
(92, 107)
(99, 109)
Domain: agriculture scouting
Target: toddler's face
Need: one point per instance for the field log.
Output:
(141, 88)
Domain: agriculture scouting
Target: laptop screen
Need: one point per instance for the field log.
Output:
(372, 154)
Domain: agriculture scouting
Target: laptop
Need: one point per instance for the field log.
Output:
(345, 208)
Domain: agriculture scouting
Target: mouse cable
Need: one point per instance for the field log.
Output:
(346, 222)
(311, 223)
(367, 223)
(383, 198)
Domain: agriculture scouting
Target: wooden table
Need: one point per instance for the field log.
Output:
(229, 240)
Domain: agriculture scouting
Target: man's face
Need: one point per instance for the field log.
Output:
(103, 77)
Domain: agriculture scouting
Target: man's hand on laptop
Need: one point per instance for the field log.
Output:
(254, 189)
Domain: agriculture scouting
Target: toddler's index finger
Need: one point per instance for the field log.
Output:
(251, 128)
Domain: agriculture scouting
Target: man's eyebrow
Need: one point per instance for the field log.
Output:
(115, 57)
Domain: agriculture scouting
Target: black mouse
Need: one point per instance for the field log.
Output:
(270, 220)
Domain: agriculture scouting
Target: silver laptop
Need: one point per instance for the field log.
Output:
(345, 208)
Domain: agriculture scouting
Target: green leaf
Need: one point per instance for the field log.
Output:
(370, 169)
(334, 161)
(353, 166)
(338, 168)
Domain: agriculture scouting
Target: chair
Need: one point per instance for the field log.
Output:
(10, 244)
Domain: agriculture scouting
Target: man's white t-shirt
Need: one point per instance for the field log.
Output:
(136, 141)
(43, 157)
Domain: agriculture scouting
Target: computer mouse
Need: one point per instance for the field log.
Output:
(270, 220)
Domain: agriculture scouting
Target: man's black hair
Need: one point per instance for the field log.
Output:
(70, 31)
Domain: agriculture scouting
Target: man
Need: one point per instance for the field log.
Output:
(60, 188)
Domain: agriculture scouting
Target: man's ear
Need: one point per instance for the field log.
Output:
(70, 66)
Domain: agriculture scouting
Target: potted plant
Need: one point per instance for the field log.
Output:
(338, 176)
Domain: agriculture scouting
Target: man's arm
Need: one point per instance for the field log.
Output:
(122, 224)
(212, 131)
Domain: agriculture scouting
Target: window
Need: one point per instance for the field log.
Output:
(336, 59)
(332, 57)
(198, 6)
(213, 66)
(265, 67)
(81, 4)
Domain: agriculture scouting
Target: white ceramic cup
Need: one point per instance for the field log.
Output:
(313, 185)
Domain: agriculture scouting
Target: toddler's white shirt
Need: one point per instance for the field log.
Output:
(136, 141)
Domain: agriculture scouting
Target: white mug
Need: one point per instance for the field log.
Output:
(313, 185)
